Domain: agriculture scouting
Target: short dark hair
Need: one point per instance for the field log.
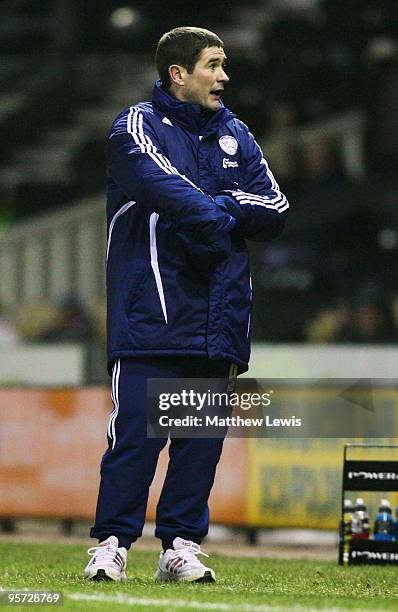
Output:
(182, 46)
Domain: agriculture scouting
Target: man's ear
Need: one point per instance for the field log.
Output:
(177, 75)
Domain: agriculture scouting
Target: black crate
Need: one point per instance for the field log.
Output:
(372, 475)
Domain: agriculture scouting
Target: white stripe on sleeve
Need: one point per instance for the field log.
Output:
(135, 127)
(279, 202)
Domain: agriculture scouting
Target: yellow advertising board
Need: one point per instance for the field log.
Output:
(296, 482)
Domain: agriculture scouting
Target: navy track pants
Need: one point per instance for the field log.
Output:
(129, 464)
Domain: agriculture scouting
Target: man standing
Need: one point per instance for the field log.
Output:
(187, 186)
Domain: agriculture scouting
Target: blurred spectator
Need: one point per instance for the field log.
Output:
(361, 16)
(322, 163)
(366, 318)
(325, 326)
(8, 333)
(285, 157)
(382, 73)
(371, 318)
(324, 190)
(73, 324)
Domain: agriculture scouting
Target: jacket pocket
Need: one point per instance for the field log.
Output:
(135, 284)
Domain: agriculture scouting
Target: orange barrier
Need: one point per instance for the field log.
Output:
(51, 443)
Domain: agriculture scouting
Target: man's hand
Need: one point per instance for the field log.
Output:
(204, 258)
(229, 205)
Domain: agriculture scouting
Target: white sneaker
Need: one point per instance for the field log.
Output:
(182, 563)
(108, 561)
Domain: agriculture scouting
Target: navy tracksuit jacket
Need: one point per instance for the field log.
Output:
(168, 293)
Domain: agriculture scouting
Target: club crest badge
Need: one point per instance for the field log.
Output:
(228, 144)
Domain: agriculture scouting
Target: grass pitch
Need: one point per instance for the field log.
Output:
(247, 585)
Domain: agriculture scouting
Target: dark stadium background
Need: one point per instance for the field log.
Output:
(316, 80)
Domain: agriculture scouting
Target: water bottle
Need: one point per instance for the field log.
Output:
(360, 523)
(347, 520)
(384, 524)
(346, 529)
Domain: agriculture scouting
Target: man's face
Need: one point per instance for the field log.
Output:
(206, 83)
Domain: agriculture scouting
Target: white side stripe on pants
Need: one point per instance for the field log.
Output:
(115, 400)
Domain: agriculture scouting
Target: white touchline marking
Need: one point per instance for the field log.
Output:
(201, 605)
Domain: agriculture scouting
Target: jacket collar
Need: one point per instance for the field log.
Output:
(192, 117)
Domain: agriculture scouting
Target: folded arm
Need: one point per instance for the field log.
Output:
(259, 207)
(138, 166)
